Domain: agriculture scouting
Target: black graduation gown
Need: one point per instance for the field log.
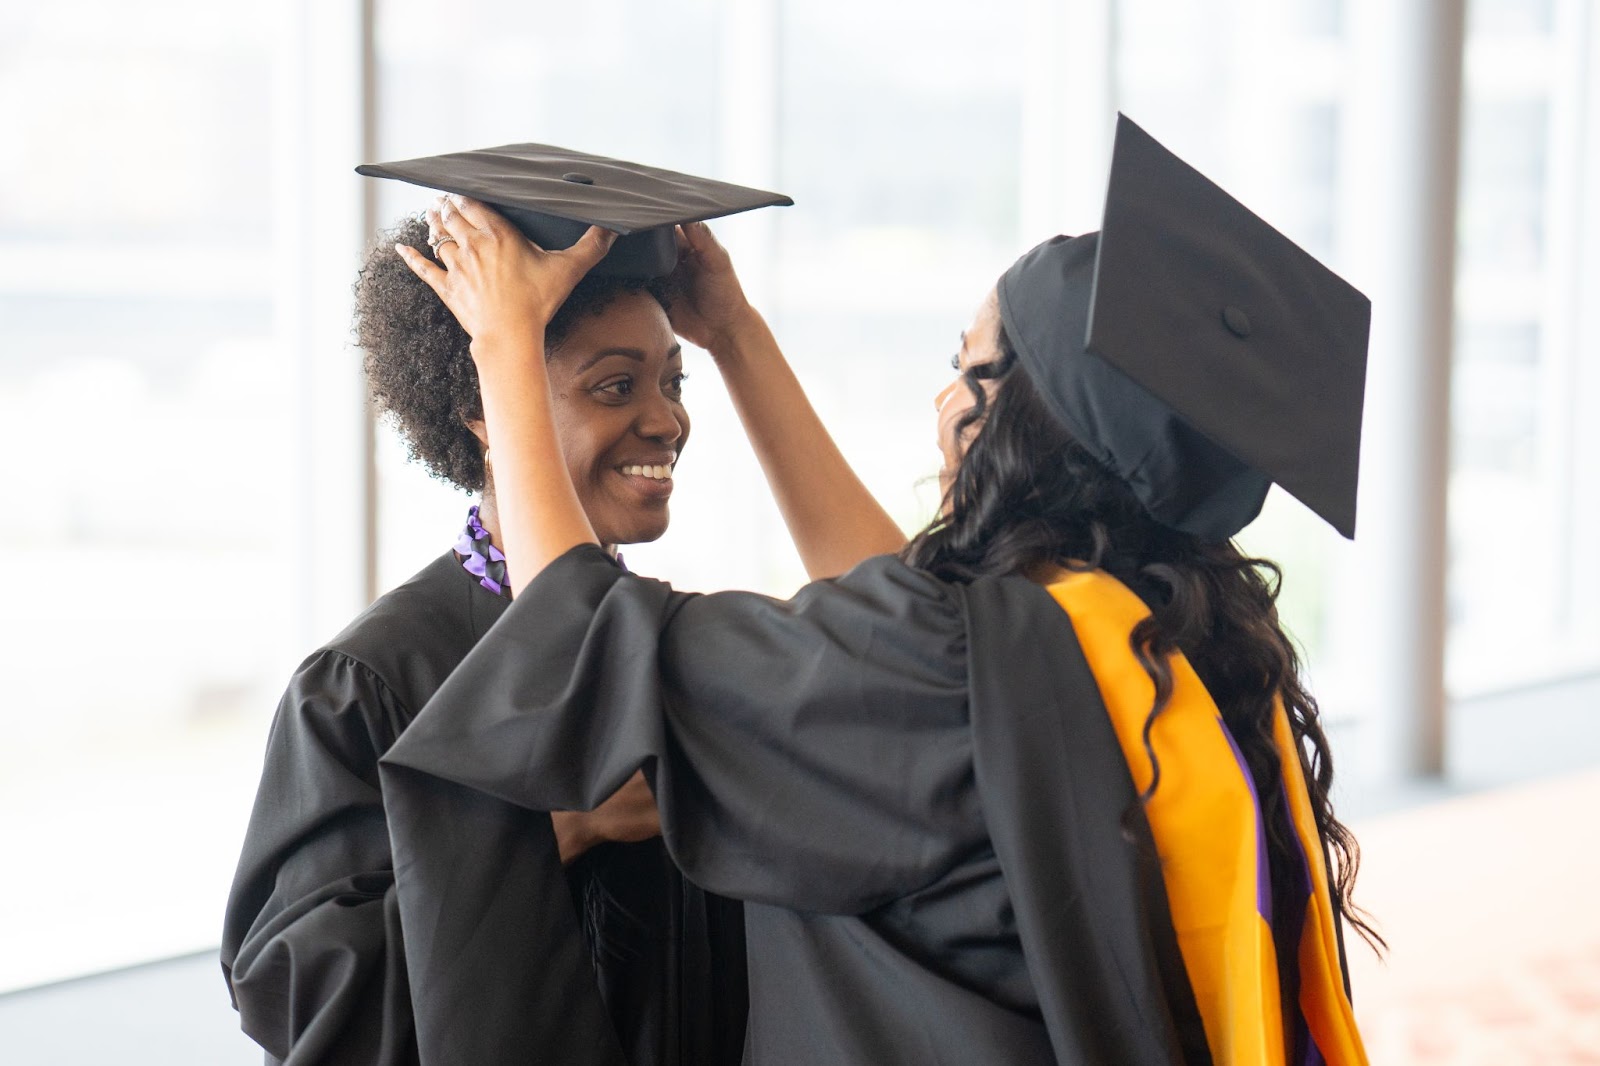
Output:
(914, 786)
(328, 963)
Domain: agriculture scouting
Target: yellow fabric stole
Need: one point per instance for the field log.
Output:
(1206, 824)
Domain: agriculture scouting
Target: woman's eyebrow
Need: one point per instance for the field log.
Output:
(630, 353)
(635, 354)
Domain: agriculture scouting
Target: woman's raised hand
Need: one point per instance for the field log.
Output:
(498, 283)
(708, 303)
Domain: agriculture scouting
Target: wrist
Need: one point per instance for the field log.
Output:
(574, 836)
(743, 333)
(512, 347)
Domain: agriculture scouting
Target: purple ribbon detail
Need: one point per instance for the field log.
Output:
(1302, 897)
(480, 558)
(1297, 904)
(1263, 873)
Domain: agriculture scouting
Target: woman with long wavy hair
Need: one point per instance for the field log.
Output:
(1042, 786)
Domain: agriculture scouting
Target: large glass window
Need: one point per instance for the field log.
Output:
(1261, 96)
(147, 407)
(1524, 471)
(904, 164)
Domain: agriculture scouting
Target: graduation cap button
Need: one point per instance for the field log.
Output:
(578, 179)
(1237, 321)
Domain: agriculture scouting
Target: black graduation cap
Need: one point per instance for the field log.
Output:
(1198, 351)
(554, 194)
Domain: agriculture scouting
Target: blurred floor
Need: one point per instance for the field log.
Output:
(1488, 904)
(171, 1013)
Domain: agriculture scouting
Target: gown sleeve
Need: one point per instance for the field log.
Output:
(811, 753)
(311, 942)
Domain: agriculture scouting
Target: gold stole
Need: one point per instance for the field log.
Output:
(1206, 823)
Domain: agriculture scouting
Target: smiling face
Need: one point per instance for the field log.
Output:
(617, 381)
(979, 344)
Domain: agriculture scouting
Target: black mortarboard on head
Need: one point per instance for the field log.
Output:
(554, 194)
(1196, 350)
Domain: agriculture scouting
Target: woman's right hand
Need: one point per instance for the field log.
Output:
(709, 306)
(497, 282)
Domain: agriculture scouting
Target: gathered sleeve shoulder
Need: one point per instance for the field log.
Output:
(811, 752)
(311, 942)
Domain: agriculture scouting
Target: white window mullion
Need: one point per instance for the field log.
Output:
(1404, 169)
(324, 225)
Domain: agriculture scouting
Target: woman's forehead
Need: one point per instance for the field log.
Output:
(631, 323)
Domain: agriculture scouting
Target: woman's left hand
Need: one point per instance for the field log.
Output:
(498, 283)
(708, 306)
(627, 817)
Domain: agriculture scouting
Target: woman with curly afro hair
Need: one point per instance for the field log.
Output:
(631, 962)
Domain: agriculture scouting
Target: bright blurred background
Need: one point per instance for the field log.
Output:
(195, 495)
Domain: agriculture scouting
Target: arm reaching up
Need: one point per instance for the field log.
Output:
(833, 519)
(503, 289)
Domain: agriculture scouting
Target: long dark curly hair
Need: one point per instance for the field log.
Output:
(418, 359)
(1008, 512)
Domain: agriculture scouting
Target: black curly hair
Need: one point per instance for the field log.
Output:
(418, 361)
(1027, 497)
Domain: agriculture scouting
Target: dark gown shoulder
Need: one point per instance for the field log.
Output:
(312, 944)
(412, 636)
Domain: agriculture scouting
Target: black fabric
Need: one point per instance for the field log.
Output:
(1195, 348)
(1183, 479)
(1065, 819)
(554, 194)
(317, 937)
(903, 778)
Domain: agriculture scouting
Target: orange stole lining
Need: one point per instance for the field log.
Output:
(1203, 820)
